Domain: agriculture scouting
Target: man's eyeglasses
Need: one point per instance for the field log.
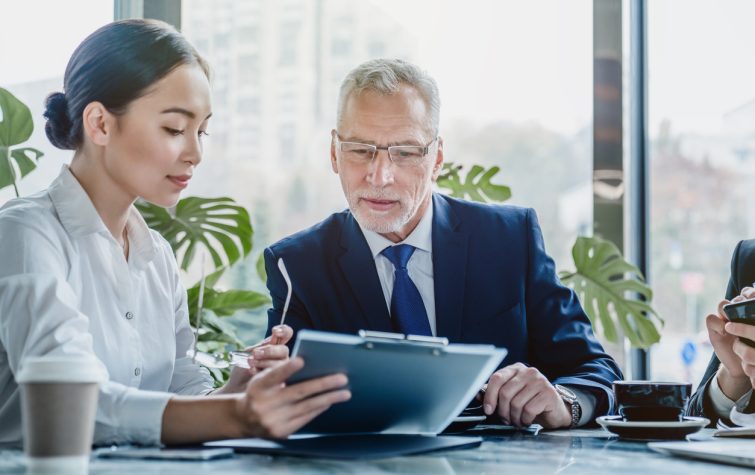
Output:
(401, 155)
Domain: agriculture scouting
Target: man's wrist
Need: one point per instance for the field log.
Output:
(731, 386)
(571, 403)
(566, 421)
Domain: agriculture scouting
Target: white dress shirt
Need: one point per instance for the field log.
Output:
(420, 269)
(66, 288)
(726, 408)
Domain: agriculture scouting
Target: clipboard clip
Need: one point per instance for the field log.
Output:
(370, 337)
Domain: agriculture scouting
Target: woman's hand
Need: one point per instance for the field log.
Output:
(271, 409)
(266, 408)
(732, 379)
(265, 354)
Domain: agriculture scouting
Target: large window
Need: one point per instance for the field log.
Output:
(516, 86)
(515, 81)
(36, 40)
(702, 165)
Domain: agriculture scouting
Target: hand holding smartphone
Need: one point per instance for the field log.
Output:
(742, 312)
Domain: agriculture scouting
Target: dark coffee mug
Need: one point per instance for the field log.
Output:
(651, 400)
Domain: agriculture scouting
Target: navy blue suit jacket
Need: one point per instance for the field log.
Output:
(494, 284)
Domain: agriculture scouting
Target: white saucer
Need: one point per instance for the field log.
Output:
(652, 430)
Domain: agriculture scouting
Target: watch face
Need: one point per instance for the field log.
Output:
(566, 393)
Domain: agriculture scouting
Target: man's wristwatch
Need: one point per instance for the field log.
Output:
(571, 400)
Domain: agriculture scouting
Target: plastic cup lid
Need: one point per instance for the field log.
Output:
(61, 369)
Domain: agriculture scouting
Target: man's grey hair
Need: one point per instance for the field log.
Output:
(385, 76)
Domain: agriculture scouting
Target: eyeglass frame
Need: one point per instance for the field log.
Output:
(425, 149)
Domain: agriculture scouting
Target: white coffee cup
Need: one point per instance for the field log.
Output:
(58, 407)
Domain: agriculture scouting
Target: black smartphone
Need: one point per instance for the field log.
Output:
(742, 312)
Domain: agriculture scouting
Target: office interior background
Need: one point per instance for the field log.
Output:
(541, 88)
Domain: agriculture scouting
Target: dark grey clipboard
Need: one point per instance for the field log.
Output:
(398, 386)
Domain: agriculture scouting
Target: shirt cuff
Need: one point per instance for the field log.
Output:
(737, 415)
(587, 402)
(721, 403)
(742, 402)
(135, 417)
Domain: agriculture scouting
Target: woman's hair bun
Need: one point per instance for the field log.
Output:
(58, 126)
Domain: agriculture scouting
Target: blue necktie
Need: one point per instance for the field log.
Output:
(407, 309)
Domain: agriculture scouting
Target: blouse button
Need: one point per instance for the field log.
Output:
(137, 372)
(129, 315)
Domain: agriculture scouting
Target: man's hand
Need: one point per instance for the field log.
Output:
(744, 352)
(265, 354)
(272, 350)
(731, 377)
(521, 395)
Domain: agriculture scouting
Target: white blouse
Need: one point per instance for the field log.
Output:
(66, 288)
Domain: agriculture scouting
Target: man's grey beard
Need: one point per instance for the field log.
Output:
(379, 224)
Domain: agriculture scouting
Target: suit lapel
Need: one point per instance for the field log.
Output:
(359, 271)
(449, 269)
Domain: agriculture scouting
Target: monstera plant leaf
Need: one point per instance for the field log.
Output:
(613, 291)
(16, 126)
(220, 303)
(260, 266)
(476, 185)
(217, 224)
(226, 302)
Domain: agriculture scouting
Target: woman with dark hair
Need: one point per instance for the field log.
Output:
(82, 275)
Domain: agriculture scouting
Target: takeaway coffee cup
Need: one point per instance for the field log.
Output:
(651, 400)
(58, 406)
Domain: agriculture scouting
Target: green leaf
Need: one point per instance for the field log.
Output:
(213, 337)
(24, 159)
(216, 304)
(16, 125)
(193, 292)
(613, 292)
(7, 174)
(226, 303)
(213, 278)
(213, 347)
(476, 185)
(223, 303)
(25, 162)
(217, 224)
(260, 266)
(220, 330)
(220, 376)
(230, 301)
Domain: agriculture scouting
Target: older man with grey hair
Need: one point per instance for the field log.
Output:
(405, 259)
